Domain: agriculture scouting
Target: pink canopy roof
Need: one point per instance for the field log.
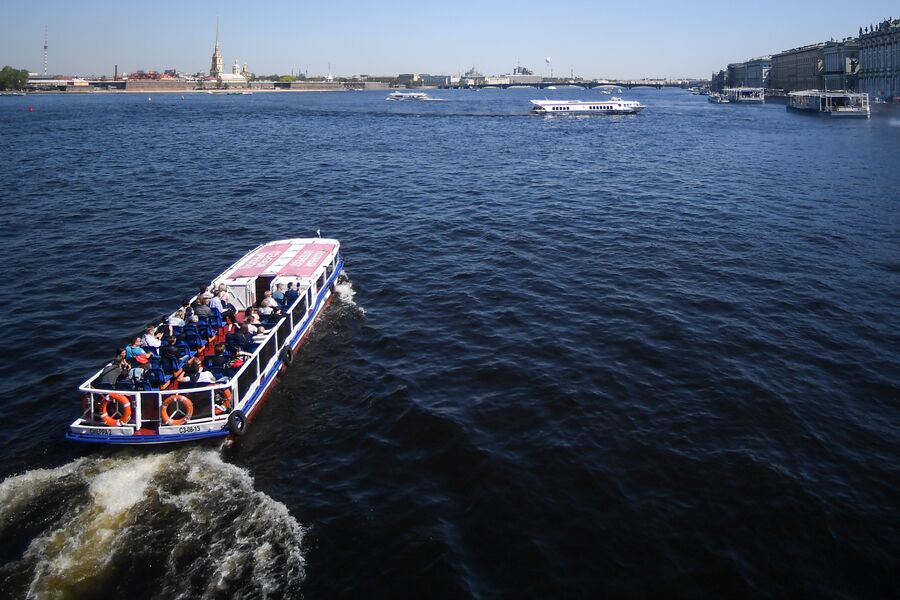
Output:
(296, 260)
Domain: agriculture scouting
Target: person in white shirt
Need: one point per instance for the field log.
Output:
(151, 338)
(176, 320)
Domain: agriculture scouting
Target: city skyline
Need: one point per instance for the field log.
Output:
(660, 40)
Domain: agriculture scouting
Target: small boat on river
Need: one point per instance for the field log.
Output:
(165, 406)
(833, 104)
(613, 106)
(407, 96)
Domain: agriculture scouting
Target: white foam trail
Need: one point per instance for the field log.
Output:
(344, 288)
(72, 555)
(219, 535)
(21, 490)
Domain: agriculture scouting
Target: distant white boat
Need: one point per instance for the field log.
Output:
(407, 96)
(550, 87)
(745, 95)
(613, 106)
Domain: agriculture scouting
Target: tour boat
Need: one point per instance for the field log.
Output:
(161, 409)
(745, 95)
(407, 96)
(834, 104)
(613, 106)
(715, 98)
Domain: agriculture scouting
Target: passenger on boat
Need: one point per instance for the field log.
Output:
(253, 322)
(291, 295)
(219, 360)
(138, 372)
(278, 294)
(113, 372)
(135, 349)
(270, 307)
(173, 349)
(176, 320)
(220, 303)
(187, 309)
(202, 309)
(239, 341)
(151, 337)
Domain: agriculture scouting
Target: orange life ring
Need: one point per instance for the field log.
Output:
(122, 414)
(183, 407)
(225, 406)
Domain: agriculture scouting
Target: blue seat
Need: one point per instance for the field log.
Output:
(194, 341)
(189, 330)
(207, 331)
(154, 361)
(156, 377)
(176, 330)
(170, 365)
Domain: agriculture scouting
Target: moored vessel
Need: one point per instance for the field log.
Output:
(613, 106)
(745, 95)
(834, 104)
(168, 406)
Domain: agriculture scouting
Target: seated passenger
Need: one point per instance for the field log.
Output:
(270, 308)
(134, 349)
(138, 373)
(278, 294)
(219, 359)
(173, 349)
(220, 303)
(291, 295)
(202, 309)
(151, 338)
(239, 341)
(176, 320)
(113, 371)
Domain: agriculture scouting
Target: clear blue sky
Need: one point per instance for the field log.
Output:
(652, 38)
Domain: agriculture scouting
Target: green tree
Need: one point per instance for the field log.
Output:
(13, 79)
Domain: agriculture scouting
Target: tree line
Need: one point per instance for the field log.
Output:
(13, 79)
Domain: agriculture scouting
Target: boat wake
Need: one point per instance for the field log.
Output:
(181, 524)
(344, 288)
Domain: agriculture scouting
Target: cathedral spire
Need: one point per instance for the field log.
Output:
(218, 64)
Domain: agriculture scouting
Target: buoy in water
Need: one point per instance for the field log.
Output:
(30, 108)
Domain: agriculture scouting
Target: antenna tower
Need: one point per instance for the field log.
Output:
(45, 51)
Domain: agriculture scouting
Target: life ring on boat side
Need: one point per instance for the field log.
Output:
(223, 402)
(121, 414)
(287, 357)
(181, 412)
(237, 422)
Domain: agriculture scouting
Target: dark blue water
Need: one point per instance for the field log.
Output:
(651, 355)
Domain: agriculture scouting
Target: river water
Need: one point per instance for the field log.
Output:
(628, 356)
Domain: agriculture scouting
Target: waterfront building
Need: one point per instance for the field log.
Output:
(841, 64)
(753, 73)
(879, 60)
(718, 81)
(758, 70)
(798, 69)
(736, 74)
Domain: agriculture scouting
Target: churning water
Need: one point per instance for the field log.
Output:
(645, 355)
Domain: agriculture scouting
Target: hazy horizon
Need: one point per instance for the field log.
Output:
(657, 39)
